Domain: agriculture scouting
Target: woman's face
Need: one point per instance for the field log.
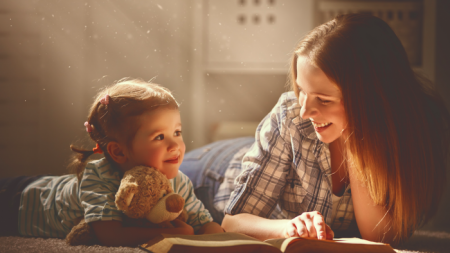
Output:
(321, 101)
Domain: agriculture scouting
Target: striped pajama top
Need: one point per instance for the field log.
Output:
(52, 205)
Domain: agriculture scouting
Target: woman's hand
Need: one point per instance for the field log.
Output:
(309, 224)
(184, 228)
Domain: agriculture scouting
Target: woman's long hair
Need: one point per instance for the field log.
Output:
(397, 137)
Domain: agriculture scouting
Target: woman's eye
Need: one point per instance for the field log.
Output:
(160, 137)
(324, 101)
(177, 133)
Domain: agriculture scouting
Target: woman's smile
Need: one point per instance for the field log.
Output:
(319, 127)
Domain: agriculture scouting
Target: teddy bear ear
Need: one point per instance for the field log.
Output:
(129, 198)
(125, 196)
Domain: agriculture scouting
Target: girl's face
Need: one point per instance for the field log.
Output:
(321, 101)
(158, 142)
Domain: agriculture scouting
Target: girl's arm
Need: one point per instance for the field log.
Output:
(112, 233)
(210, 228)
(373, 222)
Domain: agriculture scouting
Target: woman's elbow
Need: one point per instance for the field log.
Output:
(227, 223)
(383, 237)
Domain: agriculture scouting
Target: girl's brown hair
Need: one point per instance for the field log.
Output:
(117, 120)
(398, 127)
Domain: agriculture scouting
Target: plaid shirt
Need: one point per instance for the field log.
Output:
(286, 172)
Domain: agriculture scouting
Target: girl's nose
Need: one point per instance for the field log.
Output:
(173, 145)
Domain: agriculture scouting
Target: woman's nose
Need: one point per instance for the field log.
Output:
(308, 110)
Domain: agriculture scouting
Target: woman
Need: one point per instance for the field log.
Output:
(359, 146)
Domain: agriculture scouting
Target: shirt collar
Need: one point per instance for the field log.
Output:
(305, 126)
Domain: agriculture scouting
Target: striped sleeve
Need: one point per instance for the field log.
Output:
(198, 215)
(97, 193)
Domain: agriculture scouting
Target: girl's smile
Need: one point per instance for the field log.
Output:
(173, 160)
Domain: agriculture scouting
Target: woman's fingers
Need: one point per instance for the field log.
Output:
(330, 233)
(290, 230)
(308, 219)
(309, 224)
(320, 226)
(300, 227)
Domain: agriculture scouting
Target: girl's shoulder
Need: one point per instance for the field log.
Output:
(181, 182)
(102, 169)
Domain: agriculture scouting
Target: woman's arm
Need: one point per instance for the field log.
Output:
(308, 224)
(254, 226)
(373, 222)
(112, 233)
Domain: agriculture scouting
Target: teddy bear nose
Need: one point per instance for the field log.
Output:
(174, 203)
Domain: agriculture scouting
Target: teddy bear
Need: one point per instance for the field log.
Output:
(144, 193)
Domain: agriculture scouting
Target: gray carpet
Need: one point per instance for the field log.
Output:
(421, 241)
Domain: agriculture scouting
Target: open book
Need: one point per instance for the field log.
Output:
(237, 243)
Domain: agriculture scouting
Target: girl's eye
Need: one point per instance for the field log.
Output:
(160, 137)
(177, 133)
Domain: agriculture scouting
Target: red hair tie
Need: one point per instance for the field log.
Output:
(97, 149)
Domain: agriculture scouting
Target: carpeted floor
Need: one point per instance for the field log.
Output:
(421, 241)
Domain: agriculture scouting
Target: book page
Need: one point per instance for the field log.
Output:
(357, 241)
(221, 242)
(282, 243)
(344, 245)
(214, 240)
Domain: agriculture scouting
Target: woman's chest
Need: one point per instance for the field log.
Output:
(339, 175)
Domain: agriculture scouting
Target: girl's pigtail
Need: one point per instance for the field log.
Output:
(79, 160)
(80, 156)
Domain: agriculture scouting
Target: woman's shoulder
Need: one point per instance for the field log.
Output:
(288, 110)
(288, 101)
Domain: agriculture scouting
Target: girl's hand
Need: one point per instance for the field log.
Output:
(184, 228)
(309, 224)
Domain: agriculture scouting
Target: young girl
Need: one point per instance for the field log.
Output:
(132, 123)
(359, 146)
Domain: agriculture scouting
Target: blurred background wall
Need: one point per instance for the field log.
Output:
(225, 61)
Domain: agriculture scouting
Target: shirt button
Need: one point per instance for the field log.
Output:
(349, 191)
(341, 219)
